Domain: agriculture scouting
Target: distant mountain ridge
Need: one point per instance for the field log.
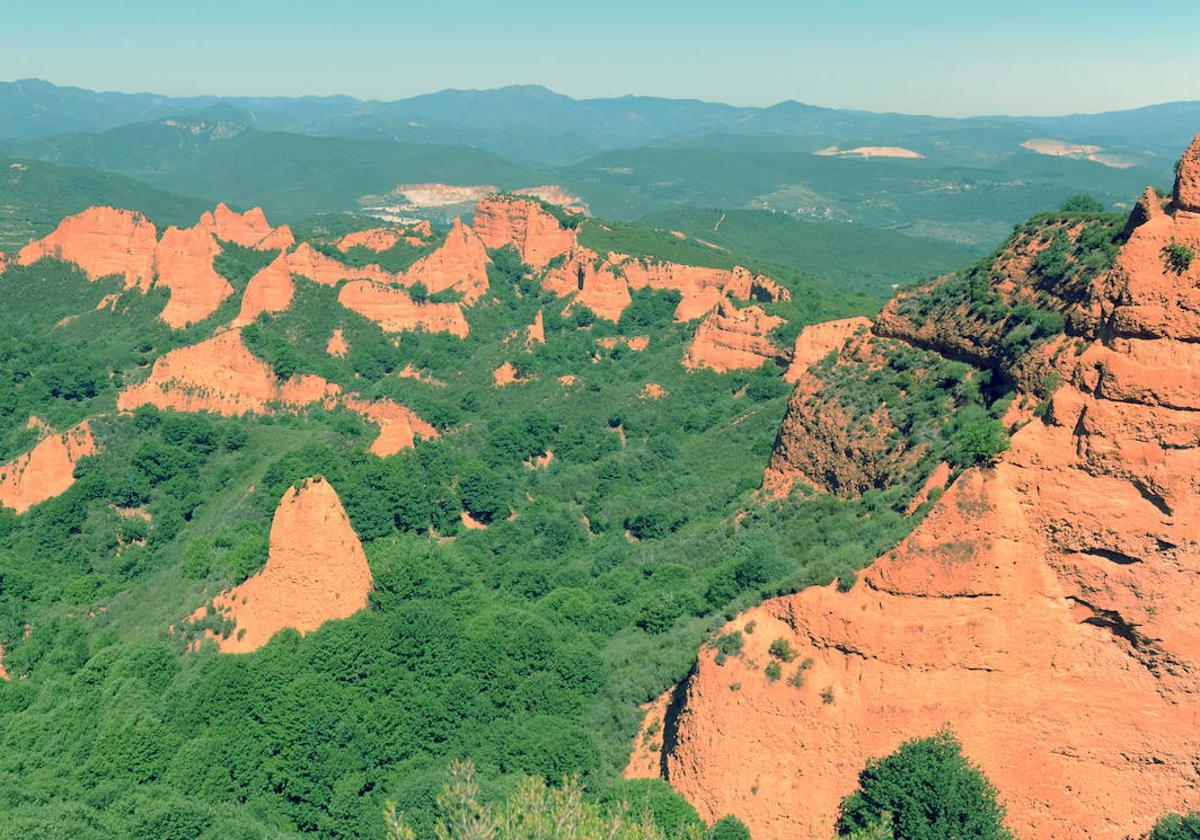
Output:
(534, 124)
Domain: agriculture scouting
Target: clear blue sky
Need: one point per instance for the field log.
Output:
(926, 56)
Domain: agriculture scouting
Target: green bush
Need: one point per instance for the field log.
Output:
(931, 792)
(1178, 256)
(1177, 827)
(729, 828)
(978, 441)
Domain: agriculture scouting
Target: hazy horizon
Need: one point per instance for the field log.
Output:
(932, 57)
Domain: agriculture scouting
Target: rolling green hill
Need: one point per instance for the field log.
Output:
(34, 196)
(865, 260)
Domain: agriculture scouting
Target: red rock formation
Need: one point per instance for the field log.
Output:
(636, 343)
(47, 470)
(222, 376)
(816, 341)
(399, 427)
(185, 266)
(316, 571)
(701, 288)
(733, 339)
(385, 238)
(269, 290)
(535, 333)
(1043, 610)
(337, 344)
(593, 283)
(218, 375)
(308, 262)
(536, 234)
(395, 311)
(247, 229)
(460, 263)
(102, 241)
(280, 239)
(1187, 179)
(507, 374)
(653, 391)
(3, 262)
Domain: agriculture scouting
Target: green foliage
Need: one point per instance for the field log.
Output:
(773, 671)
(537, 812)
(931, 792)
(978, 439)
(1082, 204)
(1178, 256)
(782, 650)
(1177, 827)
(728, 828)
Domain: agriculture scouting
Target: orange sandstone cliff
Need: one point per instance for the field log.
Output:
(316, 571)
(47, 470)
(1043, 609)
(732, 339)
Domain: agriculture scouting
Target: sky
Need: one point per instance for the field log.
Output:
(938, 57)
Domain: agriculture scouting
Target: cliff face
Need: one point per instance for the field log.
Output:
(47, 470)
(460, 263)
(104, 241)
(535, 234)
(1043, 609)
(733, 339)
(222, 376)
(316, 571)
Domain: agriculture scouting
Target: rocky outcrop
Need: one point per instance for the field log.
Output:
(321, 268)
(460, 263)
(1042, 610)
(249, 229)
(316, 572)
(103, 242)
(184, 264)
(222, 376)
(593, 282)
(395, 310)
(47, 470)
(269, 290)
(399, 427)
(733, 339)
(382, 239)
(816, 341)
(508, 374)
(828, 443)
(337, 344)
(535, 233)
(1187, 179)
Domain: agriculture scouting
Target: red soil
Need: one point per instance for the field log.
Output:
(47, 470)
(395, 311)
(270, 290)
(337, 344)
(316, 571)
(817, 341)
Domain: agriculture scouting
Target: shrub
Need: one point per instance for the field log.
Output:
(773, 671)
(729, 828)
(782, 650)
(1178, 256)
(979, 440)
(931, 792)
(1177, 827)
(1082, 204)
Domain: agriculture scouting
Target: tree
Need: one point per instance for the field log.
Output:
(536, 812)
(729, 828)
(1082, 204)
(931, 791)
(979, 440)
(1177, 827)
